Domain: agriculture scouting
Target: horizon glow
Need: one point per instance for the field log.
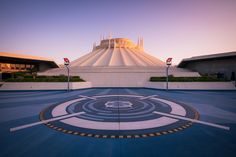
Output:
(68, 28)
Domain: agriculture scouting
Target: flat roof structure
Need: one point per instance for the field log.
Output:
(207, 57)
(40, 63)
(223, 65)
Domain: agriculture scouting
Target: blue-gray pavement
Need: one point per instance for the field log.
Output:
(18, 108)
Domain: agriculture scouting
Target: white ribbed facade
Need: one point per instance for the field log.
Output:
(118, 52)
(118, 63)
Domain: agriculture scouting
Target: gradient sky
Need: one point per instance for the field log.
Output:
(68, 28)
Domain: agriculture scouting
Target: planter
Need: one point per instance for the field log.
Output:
(44, 85)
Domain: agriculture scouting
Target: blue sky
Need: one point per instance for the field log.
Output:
(68, 28)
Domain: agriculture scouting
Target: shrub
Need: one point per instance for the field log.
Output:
(187, 79)
(30, 78)
(41, 76)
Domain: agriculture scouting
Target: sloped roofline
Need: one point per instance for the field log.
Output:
(206, 57)
(6, 57)
(23, 56)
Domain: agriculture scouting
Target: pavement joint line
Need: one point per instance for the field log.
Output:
(44, 121)
(88, 97)
(193, 120)
(147, 97)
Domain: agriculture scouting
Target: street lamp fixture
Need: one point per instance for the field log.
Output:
(168, 63)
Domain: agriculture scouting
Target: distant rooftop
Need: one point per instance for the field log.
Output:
(23, 56)
(207, 57)
(40, 62)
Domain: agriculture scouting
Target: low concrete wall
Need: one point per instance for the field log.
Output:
(44, 85)
(193, 85)
(81, 85)
(130, 76)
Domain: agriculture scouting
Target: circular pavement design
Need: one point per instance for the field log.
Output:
(119, 116)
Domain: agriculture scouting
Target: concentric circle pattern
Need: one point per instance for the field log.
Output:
(119, 116)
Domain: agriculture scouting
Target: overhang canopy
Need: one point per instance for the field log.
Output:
(12, 58)
(218, 56)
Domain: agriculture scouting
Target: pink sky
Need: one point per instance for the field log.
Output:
(178, 29)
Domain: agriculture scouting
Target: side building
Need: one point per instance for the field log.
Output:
(11, 62)
(222, 65)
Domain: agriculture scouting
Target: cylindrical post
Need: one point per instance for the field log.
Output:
(168, 63)
(68, 78)
(167, 77)
(66, 63)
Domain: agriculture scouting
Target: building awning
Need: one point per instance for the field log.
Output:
(218, 56)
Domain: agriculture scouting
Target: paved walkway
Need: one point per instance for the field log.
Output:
(118, 122)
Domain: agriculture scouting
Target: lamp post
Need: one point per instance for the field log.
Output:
(168, 63)
(67, 63)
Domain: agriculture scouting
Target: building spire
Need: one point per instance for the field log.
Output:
(141, 43)
(110, 36)
(138, 44)
(94, 46)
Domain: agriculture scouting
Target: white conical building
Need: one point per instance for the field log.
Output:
(118, 62)
(117, 52)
